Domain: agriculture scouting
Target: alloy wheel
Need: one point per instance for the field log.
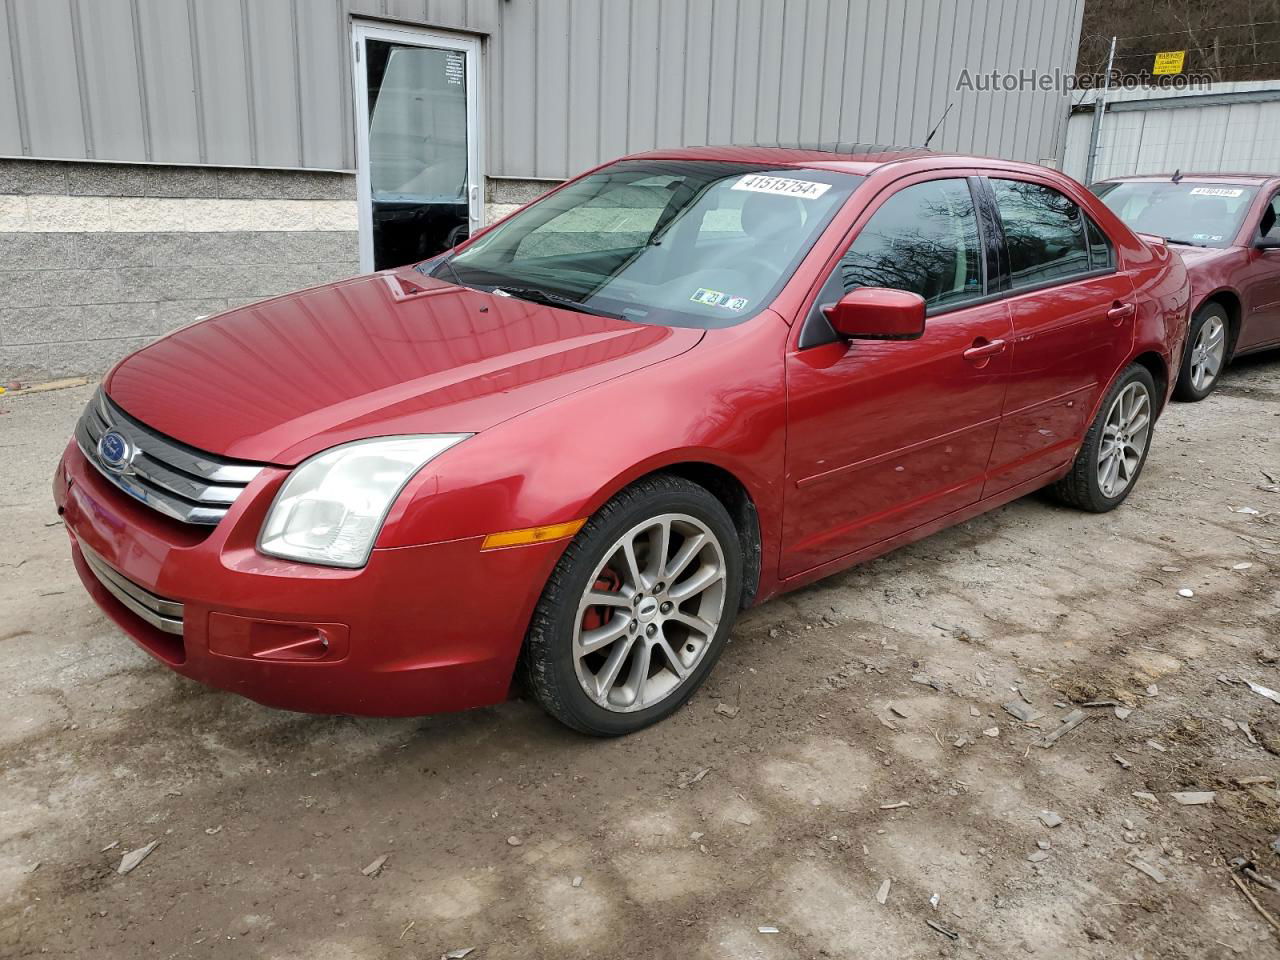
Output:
(650, 612)
(1207, 352)
(1124, 440)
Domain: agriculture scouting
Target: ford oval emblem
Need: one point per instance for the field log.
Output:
(115, 451)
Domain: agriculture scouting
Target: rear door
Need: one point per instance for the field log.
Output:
(884, 436)
(1073, 315)
(1260, 282)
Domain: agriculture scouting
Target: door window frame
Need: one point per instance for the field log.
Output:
(1082, 214)
(1256, 233)
(362, 31)
(816, 330)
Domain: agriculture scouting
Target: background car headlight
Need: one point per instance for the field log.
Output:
(332, 506)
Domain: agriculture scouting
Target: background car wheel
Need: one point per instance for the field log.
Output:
(1115, 448)
(638, 609)
(1206, 353)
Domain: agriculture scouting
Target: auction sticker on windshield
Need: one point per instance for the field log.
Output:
(1216, 191)
(782, 186)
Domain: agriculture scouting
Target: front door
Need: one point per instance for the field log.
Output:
(884, 436)
(418, 176)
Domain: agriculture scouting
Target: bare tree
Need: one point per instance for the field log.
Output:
(1224, 39)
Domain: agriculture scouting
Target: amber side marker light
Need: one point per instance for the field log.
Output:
(521, 538)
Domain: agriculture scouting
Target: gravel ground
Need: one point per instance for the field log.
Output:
(869, 744)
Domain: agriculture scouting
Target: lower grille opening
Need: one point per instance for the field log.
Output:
(156, 622)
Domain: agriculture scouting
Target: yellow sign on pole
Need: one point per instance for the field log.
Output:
(1170, 61)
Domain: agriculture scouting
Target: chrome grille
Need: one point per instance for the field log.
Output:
(162, 614)
(168, 476)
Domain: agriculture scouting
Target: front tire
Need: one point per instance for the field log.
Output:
(638, 609)
(1206, 353)
(1115, 449)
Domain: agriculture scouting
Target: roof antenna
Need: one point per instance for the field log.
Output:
(1177, 175)
(925, 145)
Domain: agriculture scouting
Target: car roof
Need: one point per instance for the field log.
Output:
(858, 158)
(1251, 179)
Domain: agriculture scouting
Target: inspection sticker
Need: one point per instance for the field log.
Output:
(781, 186)
(712, 298)
(1216, 192)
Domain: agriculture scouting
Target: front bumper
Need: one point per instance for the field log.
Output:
(419, 630)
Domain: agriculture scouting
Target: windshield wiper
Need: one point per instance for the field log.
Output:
(536, 295)
(453, 271)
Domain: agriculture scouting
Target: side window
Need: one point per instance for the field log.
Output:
(923, 239)
(1102, 255)
(1044, 232)
(1269, 216)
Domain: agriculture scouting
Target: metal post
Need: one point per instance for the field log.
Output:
(1099, 108)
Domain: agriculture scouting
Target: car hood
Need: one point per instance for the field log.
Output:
(378, 355)
(1195, 256)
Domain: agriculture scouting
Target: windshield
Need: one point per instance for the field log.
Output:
(1194, 213)
(679, 243)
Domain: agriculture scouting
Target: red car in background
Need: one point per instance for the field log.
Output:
(1224, 226)
(576, 446)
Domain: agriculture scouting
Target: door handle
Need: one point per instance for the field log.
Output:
(1121, 312)
(473, 203)
(982, 351)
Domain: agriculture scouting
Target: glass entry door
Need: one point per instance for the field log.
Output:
(417, 151)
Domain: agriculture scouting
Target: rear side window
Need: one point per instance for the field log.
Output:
(1044, 232)
(1267, 225)
(1102, 256)
(923, 239)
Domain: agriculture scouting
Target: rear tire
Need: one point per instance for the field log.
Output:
(1115, 449)
(664, 562)
(1205, 358)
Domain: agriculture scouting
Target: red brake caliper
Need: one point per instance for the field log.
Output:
(609, 582)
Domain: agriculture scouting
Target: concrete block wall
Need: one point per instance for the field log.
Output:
(98, 259)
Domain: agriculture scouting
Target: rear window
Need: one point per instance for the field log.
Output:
(1197, 214)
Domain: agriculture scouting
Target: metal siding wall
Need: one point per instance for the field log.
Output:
(237, 82)
(1237, 137)
(225, 83)
(569, 83)
(10, 121)
(768, 71)
(276, 92)
(642, 91)
(323, 51)
(584, 99)
(724, 60)
(49, 64)
(765, 106)
(169, 72)
(673, 59)
(615, 67)
(109, 65)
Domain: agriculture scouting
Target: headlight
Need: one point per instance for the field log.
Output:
(332, 506)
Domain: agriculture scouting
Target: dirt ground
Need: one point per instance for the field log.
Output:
(693, 836)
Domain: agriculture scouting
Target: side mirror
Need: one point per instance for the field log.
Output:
(877, 313)
(1267, 243)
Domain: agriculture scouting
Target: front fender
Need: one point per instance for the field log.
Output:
(721, 403)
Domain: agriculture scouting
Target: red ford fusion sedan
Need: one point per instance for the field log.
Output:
(572, 449)
(1224, 227)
